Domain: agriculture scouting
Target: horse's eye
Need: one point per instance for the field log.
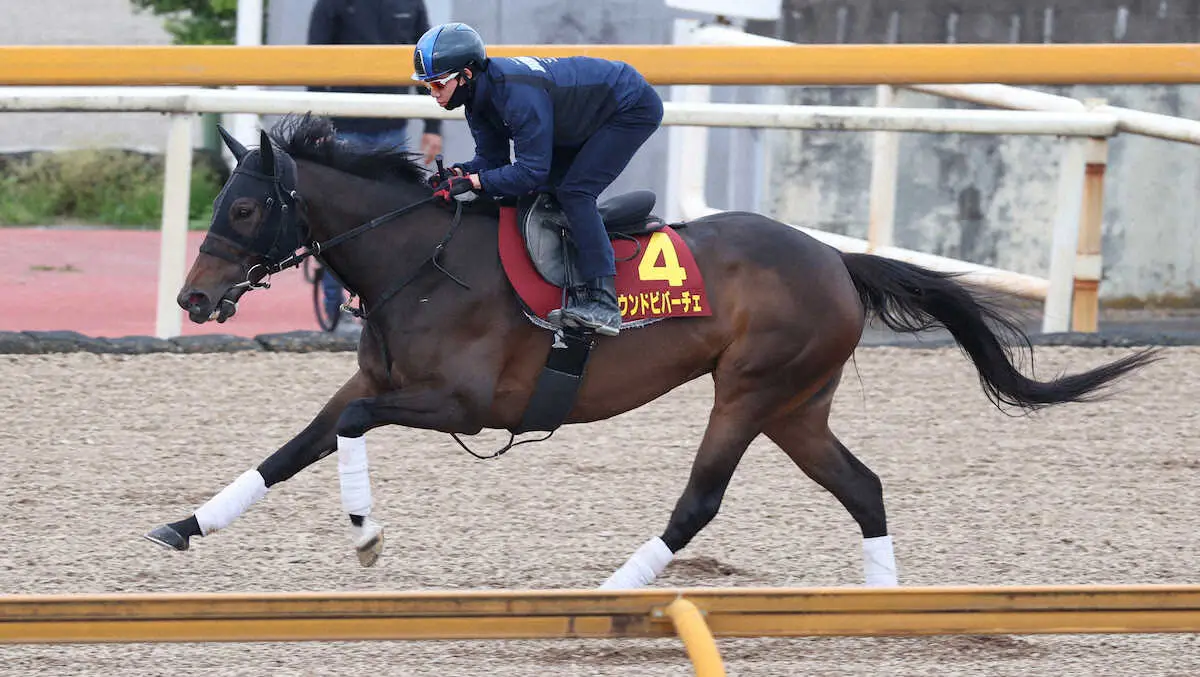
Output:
(242, 212)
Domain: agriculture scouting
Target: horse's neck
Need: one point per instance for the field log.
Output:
(338, 203)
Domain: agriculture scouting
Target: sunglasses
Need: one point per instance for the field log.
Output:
(440, 83)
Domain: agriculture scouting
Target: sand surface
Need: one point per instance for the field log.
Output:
(99, 448)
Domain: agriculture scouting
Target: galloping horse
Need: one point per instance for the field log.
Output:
(449, 346)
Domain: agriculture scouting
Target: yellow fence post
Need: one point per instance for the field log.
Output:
(697, 638)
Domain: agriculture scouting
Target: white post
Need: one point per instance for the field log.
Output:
(675, 135)
(173, 248)
(885, 161)
(687, 147)
(1057, 314)
(244, 127)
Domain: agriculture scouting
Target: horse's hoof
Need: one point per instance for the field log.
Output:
(368, 542)
(167, 538)
(369, 552)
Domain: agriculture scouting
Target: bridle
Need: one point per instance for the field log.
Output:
(268, 245)
(284, 225)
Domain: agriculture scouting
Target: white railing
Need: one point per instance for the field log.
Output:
(1001, 96)
(182, 103)
(1075, 261)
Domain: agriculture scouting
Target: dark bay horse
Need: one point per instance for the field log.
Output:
(447, 347)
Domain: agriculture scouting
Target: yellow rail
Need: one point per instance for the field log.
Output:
(662, 64)
(695, 615)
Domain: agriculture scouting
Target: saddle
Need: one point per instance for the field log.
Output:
(657, 277)
(547, 238)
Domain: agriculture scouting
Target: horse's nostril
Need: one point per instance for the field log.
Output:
(194, 300)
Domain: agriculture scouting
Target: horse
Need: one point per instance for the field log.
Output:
(448, 345)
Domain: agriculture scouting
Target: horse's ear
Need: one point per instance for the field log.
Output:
(266, 154)
(238, 150)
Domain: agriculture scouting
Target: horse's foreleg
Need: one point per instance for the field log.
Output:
(312, 444)
(417, 408)
(728, 435)
(805, 437)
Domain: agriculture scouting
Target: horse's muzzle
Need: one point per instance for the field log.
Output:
(200, 308)
(196, 303)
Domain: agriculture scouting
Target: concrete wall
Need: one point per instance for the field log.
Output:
(71, 22)
(991, 199)
(985, 199)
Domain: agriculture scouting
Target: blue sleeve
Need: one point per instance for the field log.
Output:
(491, 149)
(530, 115)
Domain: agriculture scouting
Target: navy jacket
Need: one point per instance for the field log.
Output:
(539, 104)
(369, 22)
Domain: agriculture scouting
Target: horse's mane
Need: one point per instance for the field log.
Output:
(308, 137)
(311, 137)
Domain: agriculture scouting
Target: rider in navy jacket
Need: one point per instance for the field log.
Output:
(540, 104)
(574, 124)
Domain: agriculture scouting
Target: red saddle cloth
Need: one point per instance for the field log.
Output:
(661, 281)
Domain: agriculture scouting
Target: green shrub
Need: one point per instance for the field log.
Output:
(195, 22)
(103, 187)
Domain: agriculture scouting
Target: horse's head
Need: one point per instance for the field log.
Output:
(255, 225)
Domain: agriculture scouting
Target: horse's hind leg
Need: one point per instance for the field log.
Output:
(805, 437)
(730, 431)
(751, 387)
(754, 381)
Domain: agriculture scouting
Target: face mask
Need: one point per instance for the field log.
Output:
(462, 94)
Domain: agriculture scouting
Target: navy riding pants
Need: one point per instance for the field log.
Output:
(588, 169)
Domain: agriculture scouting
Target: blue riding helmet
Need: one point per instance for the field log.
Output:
(447, 48)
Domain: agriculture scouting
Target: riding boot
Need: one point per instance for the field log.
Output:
(555, 317)
(595, 307)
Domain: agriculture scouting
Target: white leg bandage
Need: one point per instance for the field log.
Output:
(879, 562)
(221, 510)
(352, 470)
(643, 566)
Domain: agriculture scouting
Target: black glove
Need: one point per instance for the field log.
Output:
(437, 178)
(455, 185)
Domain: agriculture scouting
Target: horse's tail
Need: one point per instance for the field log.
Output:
(909, 298)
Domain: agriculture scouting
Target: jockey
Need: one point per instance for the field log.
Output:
(574, 123)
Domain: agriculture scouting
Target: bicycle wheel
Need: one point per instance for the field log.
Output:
(324, 320)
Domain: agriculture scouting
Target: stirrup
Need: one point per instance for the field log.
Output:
(574, 321)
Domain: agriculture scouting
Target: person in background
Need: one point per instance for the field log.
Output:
(370, 22)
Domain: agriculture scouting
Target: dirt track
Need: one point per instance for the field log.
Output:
(100, 448)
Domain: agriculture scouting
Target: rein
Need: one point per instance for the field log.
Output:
(433, 259)
(316, 248)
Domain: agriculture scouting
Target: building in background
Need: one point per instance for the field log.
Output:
(69, 22)
(985, 199)
(990, 199)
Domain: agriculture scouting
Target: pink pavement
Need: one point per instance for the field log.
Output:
(103, 282)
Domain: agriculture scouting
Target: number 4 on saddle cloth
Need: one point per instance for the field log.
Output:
(657, 278)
